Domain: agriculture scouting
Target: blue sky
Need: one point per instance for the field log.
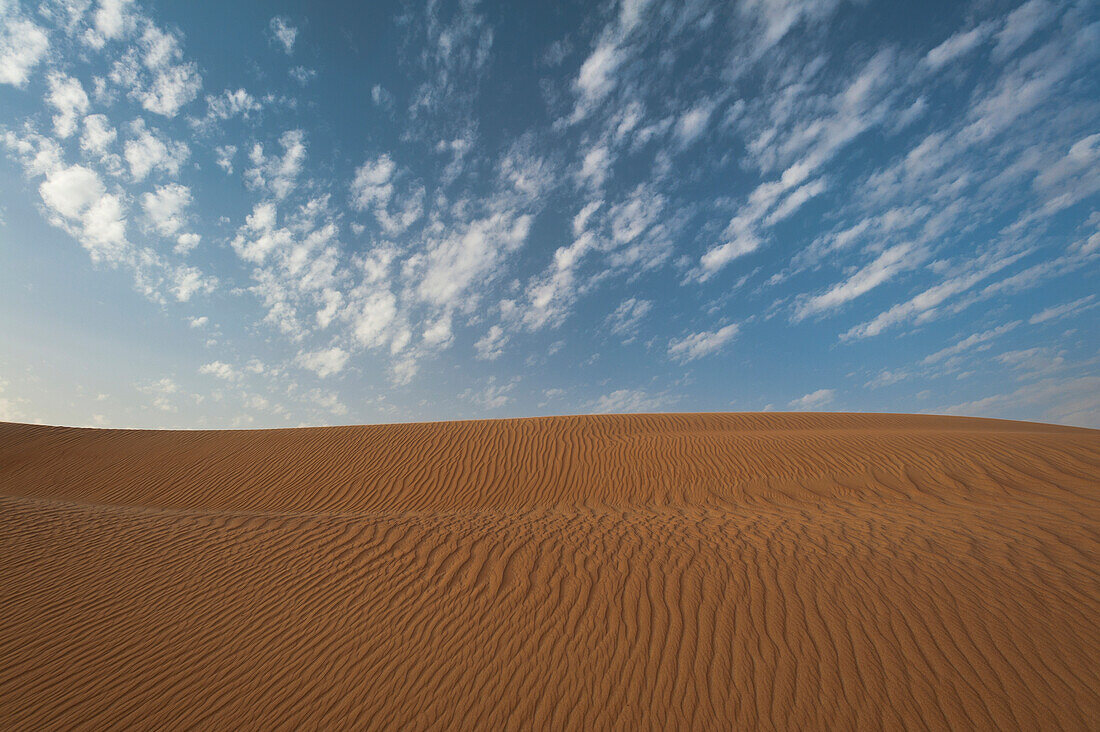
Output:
(275, 214)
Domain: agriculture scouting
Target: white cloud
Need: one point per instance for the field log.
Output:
(550, 295)
(328, 401)
(594, 167)
(491, 346)
(372, 314)
(740, 240)
(1056, 312)
(10, 407)
(887, 377)
(813, 400)
(957, 46)
(973, 341)
(231, 103)
(185, 243)
(1066, 400)
(580, 221)
(325, 362)
(77, 201)
(111, 20)
(625, 401)
(631, 218)
(809, 143)
(794, 201)
(80, 204)
(1034, 362)
(381, 97)
(220, 370)
(455, 219)
(693, 122)
(297, 270)
(403, 371)
(460, 258)
(147, 151)
(889, 263)
(631, 13)
(22, 46)
(67, 96)
(259, 236)
(302, 75)
(153, 73)
(284, 33)
(162, 391)
(98, 134)
(1065, 182)
(1021, 24)
(331, 302)
(924, 303)
(773, 19)
(597, 75)
(199, 322)
(278, 174)
(373, 190)
(493, 396)
(65, 14)
(1026, 84)
(224, 157)
(439, 333)
(626, 318)
(166, 207)
(71, 191)
(697, 345)
(186, 281)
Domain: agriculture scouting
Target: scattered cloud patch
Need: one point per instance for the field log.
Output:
(166, 207)
(284, 33)
(67, 96)
(220, 370)
(22, 46)
(813, 401)
(627, 401)
(326, 362)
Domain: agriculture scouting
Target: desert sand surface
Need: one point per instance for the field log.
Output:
(707, 571)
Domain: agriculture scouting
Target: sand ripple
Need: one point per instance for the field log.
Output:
(626, 572)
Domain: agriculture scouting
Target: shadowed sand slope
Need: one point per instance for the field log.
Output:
(650, 571)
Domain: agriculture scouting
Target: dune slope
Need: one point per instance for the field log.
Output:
(649, 571)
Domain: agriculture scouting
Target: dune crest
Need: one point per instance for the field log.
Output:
(713, 571)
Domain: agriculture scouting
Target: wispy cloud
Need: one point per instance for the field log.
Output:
(1068, 400)
(976, 340)
(698, 345)
(884, 267)
(1065, 310)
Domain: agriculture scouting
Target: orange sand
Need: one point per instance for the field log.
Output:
(712, 571)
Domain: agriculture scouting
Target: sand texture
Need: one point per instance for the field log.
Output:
(712, 571)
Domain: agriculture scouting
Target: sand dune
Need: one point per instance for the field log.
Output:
(717, 571)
